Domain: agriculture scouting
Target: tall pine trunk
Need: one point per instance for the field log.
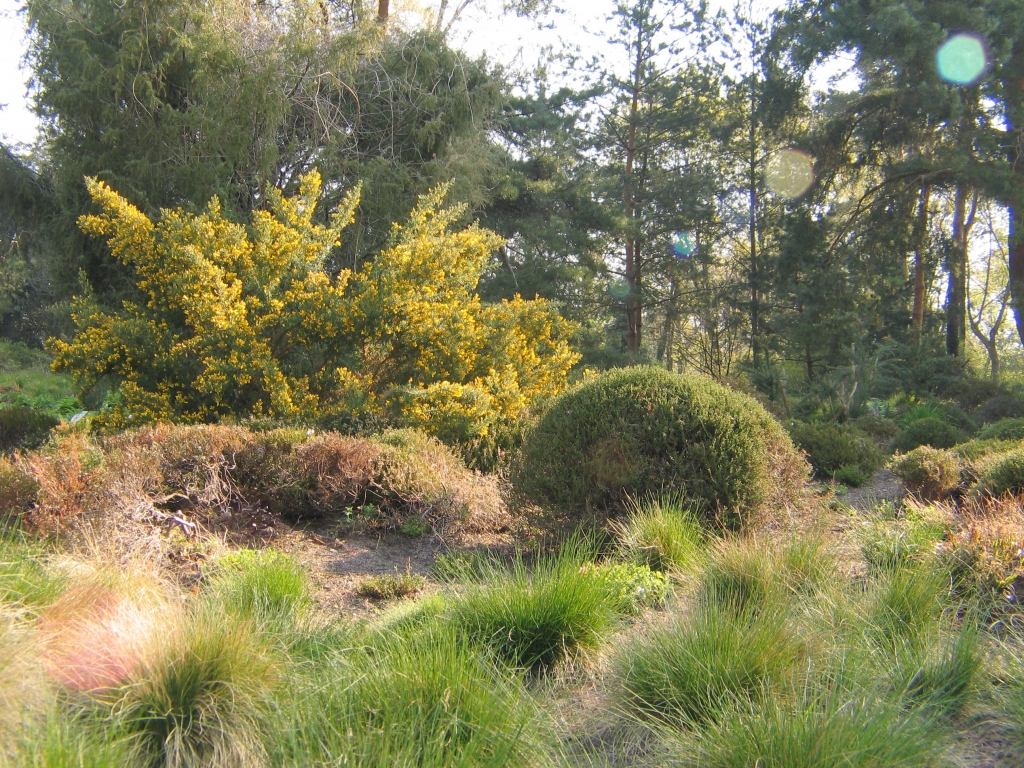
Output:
(755, 297)
(1013, 86)
(634, 308)
(920, 243)
(956, 268)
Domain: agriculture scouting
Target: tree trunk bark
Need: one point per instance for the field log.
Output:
(634, 308)
(956, 268)
(755, 299)
(1014, 95)
(920, 241)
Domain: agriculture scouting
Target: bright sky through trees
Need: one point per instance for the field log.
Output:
(515, 42)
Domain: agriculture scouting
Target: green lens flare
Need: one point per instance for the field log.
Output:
(961, 60)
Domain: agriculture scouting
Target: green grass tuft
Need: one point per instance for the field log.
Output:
(664, 533)
(198, 700)
(533, 617)
(691, 667)
(388, 586)
(811, 727)
(263, 585)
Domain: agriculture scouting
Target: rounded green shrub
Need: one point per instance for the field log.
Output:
(1004, 429)
(1000, 407)
(931, 473)
(634, 432)
(929, 431)
(851, 475)
(24, 427)
(833, 447)
(1004, 476)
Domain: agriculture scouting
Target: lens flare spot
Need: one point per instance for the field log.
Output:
(92, 638)
(683, 244)
(618, 290)
(790, 173)
(962, 59)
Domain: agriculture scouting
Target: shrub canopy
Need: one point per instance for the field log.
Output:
(245, 321)
(832, 447)
(639, 431)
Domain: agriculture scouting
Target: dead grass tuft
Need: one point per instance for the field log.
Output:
(64, 473)
(986, 549)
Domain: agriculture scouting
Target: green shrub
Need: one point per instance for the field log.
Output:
(929, 431)
(950, 413)
(815, 725)
(878, 427)
(931, 473)
(262, 585)
(1004, 476)
(688, 669)
(831, 447)
(1000, 407)
(389, 586)
(24, 427)
(1004, 429)
(533, 617)
(851, 476)
(631, 587)
(662, 533)
(18, 490)
(198, 700)
(637, 431)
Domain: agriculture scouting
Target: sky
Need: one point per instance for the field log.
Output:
(17, 123)
(509, 40)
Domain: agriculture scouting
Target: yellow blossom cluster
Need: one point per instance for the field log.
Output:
(245, 320)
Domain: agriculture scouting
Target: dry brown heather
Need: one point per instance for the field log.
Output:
(245, 487)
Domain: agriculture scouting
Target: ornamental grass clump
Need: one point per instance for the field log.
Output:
(200, 696)
(633, 432)
(689, 669)
(741, 578)
(662, 532)
(26, 580)
(534, 616)
(942, 676)
(267, 587)
(811, 724)
(905, 603)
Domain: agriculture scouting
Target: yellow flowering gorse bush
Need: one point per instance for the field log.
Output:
(245, 320)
